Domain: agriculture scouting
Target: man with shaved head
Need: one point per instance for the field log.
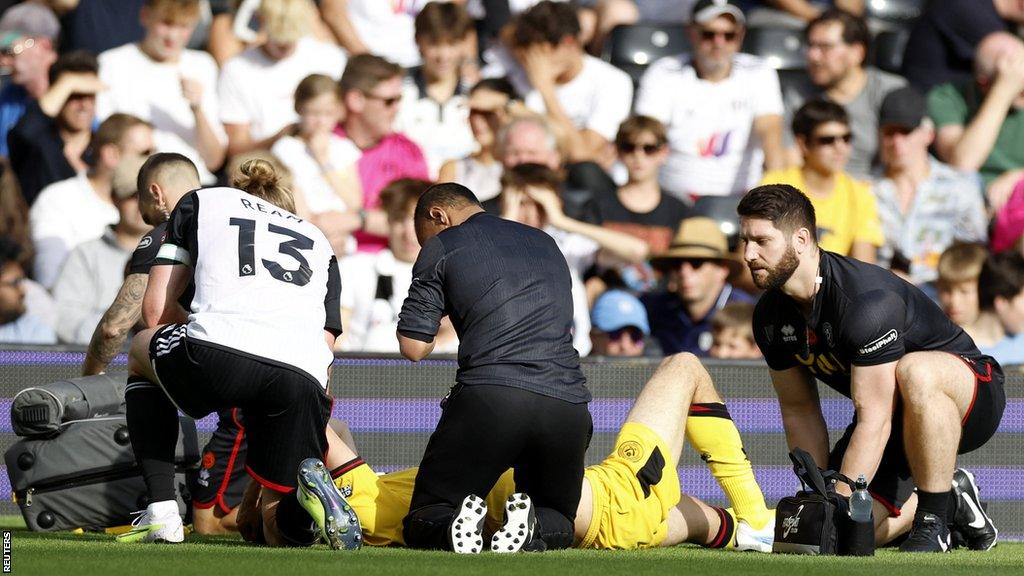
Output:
(980, 123)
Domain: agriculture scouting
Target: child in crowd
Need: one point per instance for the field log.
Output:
(732, 331)
(957, 285)
(327, 189)
(1001, 291)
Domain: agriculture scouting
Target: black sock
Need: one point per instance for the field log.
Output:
(153, 429)
(936, 503)
(294, 523)
(726, 530)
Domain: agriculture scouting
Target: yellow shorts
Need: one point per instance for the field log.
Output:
(382, 501)
(634, 489)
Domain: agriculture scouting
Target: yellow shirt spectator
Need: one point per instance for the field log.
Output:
(847, 215)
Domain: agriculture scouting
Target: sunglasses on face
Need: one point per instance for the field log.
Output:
(632, 332)
(695, 263)
(727, 35)
(18, 47)
(631, 147)
(832, 139)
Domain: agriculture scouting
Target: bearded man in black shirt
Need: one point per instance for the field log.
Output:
(921, 390)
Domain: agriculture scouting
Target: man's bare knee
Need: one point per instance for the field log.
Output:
(915, 379)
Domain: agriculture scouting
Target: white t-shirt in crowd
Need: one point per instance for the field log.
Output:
(441, 130)
(713, 148)
(579, 252)
(260, 92)
(64, 215)
(151, 90)
(598, 98)
(309, 177)
(387, 28)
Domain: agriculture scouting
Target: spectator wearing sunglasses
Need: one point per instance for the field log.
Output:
(698, 266)
(79, 209)
(620, 327)
(924, 205)
(639, 208)
(847, 215)
(28, 37)
(723, 109)
(372, 91)
(48, 142)
(837, 50)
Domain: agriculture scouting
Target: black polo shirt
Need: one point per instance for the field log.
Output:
(506, 288)
(862, 315)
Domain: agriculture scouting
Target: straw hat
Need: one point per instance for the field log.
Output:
(698, 238)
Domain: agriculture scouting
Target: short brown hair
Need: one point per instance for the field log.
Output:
(785, 206)
(961, 262)
(400, 197)
(635, 126)
(443, 22)
(173, 8)
(1002, 276)
(545, 23)
(738, 315)
(365, 71)
(258, 177)
(537, 175)
(313, 86)
(113, 129)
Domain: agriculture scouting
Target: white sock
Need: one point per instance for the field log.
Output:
(163, 508)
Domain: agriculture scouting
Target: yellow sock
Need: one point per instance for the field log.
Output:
(712, 433)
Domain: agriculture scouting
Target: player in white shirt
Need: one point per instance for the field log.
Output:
(258, 336)
(172, 88)
(256, 87)
(723, 110)
(584, 98)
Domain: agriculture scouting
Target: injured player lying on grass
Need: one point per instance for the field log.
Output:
(630, 500)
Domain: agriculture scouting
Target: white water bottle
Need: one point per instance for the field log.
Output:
(860, 501)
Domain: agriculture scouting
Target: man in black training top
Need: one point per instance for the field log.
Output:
(520, 399)
(922, 391)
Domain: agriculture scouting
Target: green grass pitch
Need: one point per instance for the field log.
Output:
(92, 554)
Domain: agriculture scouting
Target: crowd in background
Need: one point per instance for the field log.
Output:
(636, 174)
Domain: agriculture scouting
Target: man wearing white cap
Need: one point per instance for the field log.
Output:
(723, 109)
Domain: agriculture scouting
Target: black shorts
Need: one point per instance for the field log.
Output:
(893, 483)
(222, 476)
(286, 410)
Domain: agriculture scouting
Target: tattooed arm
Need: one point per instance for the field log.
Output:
(110, 333)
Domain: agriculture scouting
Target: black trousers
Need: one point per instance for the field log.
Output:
(484, 431)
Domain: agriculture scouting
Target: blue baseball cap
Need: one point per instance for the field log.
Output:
(617, 309)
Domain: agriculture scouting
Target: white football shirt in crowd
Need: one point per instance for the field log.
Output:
(151, 90)
(713, 148)
(64, 215)
(598, 98)
(387, 28)
(307, 174)
(260, 92)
